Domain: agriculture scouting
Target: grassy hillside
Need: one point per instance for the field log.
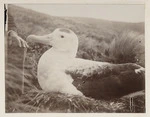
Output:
(97, 34)
(100, 40)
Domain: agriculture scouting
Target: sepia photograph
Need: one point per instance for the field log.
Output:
(74, 58)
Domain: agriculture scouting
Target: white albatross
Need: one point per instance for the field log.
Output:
(60, 71)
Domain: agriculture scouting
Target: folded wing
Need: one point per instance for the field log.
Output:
(105, 80)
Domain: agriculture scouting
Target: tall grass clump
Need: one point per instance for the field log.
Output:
(127, 47)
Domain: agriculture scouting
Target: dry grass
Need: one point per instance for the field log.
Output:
(95, 38)
(127, 47)
(35, 100)
(57, 102)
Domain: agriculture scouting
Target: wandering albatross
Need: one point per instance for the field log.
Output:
(60, 71)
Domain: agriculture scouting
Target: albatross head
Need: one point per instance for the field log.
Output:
(61, 39)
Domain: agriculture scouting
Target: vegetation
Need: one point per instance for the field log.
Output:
(100, 40)
(127, 47)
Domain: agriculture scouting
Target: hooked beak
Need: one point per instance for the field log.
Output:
(39, 39)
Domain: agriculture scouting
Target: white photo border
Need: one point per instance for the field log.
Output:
(147, 58)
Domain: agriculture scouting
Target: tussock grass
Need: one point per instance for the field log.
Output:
(127, 47)
(57, 102)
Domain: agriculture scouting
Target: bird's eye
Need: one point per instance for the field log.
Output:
(62, 36)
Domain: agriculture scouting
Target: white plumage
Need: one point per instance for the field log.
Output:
(59, 70)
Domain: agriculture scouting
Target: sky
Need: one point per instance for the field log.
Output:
(123, 13)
